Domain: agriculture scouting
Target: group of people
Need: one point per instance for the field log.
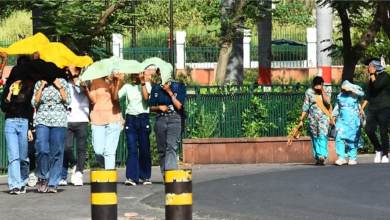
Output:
(49, 109)
(347, 116)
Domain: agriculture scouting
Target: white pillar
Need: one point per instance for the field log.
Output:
(247, 48)
(117, 45)
(311, 47)
(180, 49)
(324, 40)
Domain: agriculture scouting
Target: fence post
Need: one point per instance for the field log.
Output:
(178, 194)
(180, 49)
(117, 45)
(104, 199)
(247, 48)
(311, 47)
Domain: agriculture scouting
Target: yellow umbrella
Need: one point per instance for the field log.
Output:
(62, 56)
(28, 45)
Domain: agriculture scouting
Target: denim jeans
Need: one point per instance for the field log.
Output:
(31, 152)
(105, 140)
(15, 131)
(49, 148)
(168, 129)
(137, 129)
(78, 130)
(374, 118)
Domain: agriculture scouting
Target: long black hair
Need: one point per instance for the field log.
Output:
(318, 80)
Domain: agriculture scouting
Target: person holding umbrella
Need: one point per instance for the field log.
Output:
(15, 103)
(137, 128)
(51, 94)
(106, 116)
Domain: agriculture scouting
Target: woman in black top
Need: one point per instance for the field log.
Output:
(16, 104)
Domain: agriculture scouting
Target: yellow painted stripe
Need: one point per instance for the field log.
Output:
(182, 199)
(103, 176)
(178, 176)
(104, 199)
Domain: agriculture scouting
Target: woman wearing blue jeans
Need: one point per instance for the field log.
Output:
(50, 122)
(18, 126)
(137, 128)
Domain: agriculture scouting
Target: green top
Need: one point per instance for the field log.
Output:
(378, 92)
(135, 103)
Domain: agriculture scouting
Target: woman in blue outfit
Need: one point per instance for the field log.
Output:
(348, 123)
(317, 106)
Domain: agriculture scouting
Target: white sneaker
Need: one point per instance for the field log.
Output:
(385, 159)
(72, 178)
(378, 156)
(63, 182)
(78, 179)
(32, 179)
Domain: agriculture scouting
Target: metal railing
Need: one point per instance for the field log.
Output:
(226, 110)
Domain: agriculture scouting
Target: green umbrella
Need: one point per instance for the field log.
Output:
(105, 67)
(101, 69)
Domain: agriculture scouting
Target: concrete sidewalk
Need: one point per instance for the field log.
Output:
(74, 202)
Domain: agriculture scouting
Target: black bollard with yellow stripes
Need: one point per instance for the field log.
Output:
(178, 194)
(104, 198)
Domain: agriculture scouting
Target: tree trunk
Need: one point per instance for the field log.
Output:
(223, 60)
(349, 68)
(352, 55)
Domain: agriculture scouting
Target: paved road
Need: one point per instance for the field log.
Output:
(288, 191)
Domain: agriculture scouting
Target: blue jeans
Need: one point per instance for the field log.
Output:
(49, 152)
(15, 131)
(105, 140)
(137, 129)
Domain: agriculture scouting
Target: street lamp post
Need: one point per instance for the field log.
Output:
(133, 33)
(171, 34)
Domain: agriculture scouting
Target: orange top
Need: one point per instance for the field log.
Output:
(104, 110)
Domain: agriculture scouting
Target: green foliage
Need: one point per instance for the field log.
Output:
(80, 24)
(292, 13)
(250, 76)
(253, 119)
(204, 126)
(185, 78)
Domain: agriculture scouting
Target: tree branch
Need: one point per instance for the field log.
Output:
(369, 34)
(386, 25)
(346, 28)
(103, 19)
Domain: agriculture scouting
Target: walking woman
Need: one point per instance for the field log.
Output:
(51, 94)
(137, 129)
(348, 122)
(16, 105)
(106, 119)
(317, 106)
(167, 100)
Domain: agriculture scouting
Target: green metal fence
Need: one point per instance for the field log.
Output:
(226, 110)
(142, 53)
(282, 56)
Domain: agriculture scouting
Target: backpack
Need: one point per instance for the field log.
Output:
(182, 111)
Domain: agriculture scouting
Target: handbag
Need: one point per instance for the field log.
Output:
(296, 132)
(332, 132)
(362, 119)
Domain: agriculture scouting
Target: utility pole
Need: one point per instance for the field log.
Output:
(171, 36)
(133, 31)
(108, 43)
